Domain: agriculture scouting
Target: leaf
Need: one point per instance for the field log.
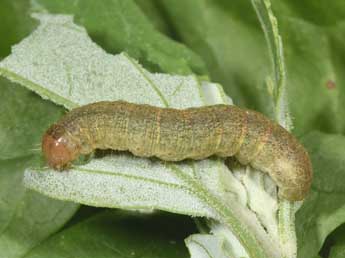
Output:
(206, 246)
(275, 46)
(30, 64)
(115, 234)
(225, 236)
(26, 217)
(277, 84)
(120, 26)
(15, 23)
(116, 182)
(338, 248)
(323, 210)
(154, 13)
(24, 118)
(228, 37)
(189, 188)
(314, 44)
(338, 251)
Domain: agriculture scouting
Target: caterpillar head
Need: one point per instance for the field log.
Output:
(58, 149)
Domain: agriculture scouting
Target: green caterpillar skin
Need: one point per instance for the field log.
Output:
(174, 135)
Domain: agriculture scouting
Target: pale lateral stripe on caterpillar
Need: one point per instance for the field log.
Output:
(174, 134)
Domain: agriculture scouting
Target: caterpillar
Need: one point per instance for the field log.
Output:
(178, 134)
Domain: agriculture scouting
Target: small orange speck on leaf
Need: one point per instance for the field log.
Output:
(330, 85)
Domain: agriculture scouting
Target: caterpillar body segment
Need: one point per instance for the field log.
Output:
(175, 134)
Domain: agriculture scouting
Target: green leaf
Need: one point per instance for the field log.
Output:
(275, 46)
(154, 13)
(26, 217)
(314, 44)
(15, 23)
(228, 37)
(125, 181)
(120, 26)
(114, 234)
(23, 119)
(323, 210)
(338, 246)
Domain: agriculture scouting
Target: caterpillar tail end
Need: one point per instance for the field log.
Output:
(296, 188)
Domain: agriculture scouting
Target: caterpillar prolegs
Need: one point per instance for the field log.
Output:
(174, 135)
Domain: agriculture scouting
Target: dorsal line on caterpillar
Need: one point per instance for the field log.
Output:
(178, 134)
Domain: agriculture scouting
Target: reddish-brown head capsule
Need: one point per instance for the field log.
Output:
(58, 150)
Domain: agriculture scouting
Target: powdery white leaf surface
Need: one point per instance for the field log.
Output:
(251, 195)
(206, 246)
(214, 94)
(121, 181)
(235, 249)
(261, 200)
(60, 62)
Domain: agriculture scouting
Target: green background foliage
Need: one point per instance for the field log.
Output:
(220, 39)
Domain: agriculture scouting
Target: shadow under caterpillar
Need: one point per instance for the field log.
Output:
(174, 135)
